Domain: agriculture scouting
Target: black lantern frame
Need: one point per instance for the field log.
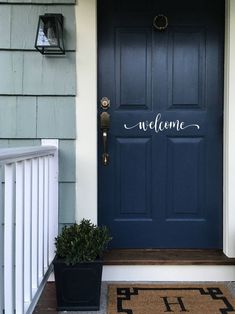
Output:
(49, 38)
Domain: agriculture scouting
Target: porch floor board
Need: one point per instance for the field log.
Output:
(47, 301)
(166, 257)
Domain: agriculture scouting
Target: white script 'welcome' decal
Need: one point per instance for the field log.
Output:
(159, 125)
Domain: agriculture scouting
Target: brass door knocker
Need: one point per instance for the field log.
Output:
(160, 22)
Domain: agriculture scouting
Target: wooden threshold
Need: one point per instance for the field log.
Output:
(166, 257)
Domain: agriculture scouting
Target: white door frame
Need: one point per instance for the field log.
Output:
(86, 104)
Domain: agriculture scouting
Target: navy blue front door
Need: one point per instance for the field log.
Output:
(162, 187)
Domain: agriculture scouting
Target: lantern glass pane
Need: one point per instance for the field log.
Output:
(47, 33)
(61, 43)
(49, 38)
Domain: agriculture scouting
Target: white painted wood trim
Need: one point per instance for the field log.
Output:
(40, 219)
(86, 109)
(229, 131)
(53, 196)
(26, 198)
(168, 273)
(2, 236)
(35, 218)
(86, 103)
(19, 238)
(8, 239)
(27, 231)
(160, 273)
(46, 214)
(10, 155)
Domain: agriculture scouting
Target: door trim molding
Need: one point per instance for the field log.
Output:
(86, 111)
(229, 132)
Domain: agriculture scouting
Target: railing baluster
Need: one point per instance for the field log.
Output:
(46, 213)
(53, 197)
(1, 240)
(53, 205)
(27, 233)
(35, 224)
(19, 276)
(40, 220)
(9, 240)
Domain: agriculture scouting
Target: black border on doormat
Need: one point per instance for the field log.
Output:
(215, 293)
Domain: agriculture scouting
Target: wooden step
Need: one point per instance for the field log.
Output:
(166, 257)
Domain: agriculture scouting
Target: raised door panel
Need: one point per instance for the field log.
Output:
(185, 178)
(133, 178)
(133, 69)
(186, 64)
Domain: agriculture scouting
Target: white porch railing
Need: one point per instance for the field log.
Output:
(29, 223)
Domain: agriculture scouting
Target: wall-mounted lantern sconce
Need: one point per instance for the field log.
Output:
(49, 37)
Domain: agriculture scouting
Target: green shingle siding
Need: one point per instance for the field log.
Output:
(67, 161)
(19, 143)
(66, 202)
(18, 25)
(5, 26)
(17, 117)
(37, 93)
(56, 117)
(37, 117)
(30, 73)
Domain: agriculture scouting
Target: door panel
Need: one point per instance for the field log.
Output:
(132, 173)
(185, 178)
(186, 64)
(133, 46)
(162, 187)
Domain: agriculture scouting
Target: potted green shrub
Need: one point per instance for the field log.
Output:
(78, 266)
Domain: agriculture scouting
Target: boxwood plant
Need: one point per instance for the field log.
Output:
(84, 242)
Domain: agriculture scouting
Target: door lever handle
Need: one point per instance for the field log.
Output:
(104, 126)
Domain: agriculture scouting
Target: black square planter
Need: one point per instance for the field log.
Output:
(78, 286)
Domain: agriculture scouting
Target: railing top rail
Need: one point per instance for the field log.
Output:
(10, 155)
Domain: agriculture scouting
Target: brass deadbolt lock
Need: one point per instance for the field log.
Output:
(105, 103)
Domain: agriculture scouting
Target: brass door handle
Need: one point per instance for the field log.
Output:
(104, 126)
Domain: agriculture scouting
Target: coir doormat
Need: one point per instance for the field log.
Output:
(158, 299)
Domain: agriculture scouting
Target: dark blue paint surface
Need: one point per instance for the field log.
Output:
(163, 185)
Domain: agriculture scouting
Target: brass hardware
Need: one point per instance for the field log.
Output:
(160, 22)
(104, 126)
(105, 103)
